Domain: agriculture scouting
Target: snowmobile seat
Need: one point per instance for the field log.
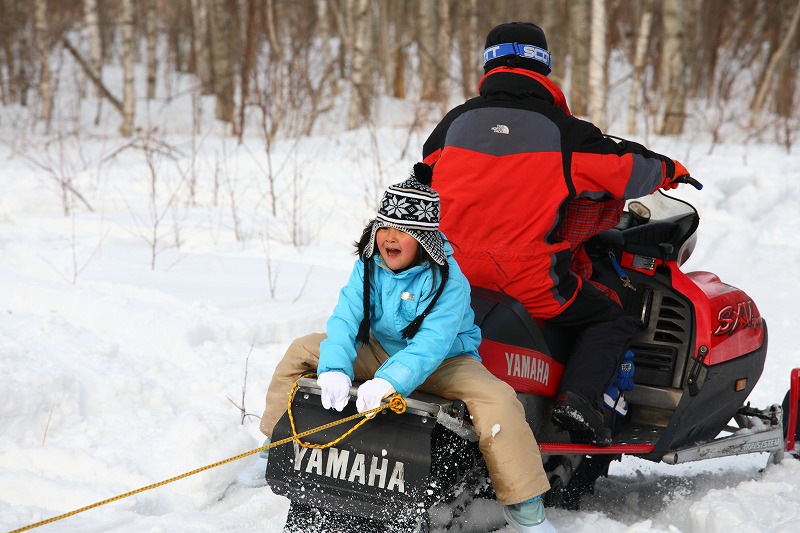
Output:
(503, 318)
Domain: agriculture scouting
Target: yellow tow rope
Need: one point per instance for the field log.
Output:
(396, 403)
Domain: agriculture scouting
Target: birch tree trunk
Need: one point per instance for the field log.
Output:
(426, 41)
(359, 110)
(45, 75)
(92, 22)
(673, 63)
(6, 47)
(469, 47)
(787, 77)
(443, 42)
(19, 56)
(639, 55)
(382, 33)
(597, 65)
(152, 62)
(249, 64)
(128, 96)
(200, 45)
(553, 24)
(398, 12)
(579, 70)
(272, 32)
(774, 61)
(221, 34)
(324, 34)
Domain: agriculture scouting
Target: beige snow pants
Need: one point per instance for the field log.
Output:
(505, 439)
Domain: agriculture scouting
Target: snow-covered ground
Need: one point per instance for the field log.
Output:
(129, 331)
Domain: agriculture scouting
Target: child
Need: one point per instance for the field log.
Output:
(404, 322)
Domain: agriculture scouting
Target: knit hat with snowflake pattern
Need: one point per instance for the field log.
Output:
(413, 207)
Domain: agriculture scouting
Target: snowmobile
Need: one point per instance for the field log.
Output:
(698, 352)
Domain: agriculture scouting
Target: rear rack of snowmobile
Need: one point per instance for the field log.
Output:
(418, 403)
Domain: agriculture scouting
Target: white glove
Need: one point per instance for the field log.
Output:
(371, 392)
(335, 389)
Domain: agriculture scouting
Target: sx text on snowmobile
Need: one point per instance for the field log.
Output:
(699, 351)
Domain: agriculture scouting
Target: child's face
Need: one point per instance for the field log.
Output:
(398, 249)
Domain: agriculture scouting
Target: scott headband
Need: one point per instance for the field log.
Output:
(515, 49)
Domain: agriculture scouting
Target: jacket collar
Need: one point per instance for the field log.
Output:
(411, 271)
(507, 83)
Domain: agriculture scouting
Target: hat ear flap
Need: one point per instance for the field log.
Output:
(410, 330)
(362, 337)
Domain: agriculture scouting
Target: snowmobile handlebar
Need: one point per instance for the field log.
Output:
(690, 180)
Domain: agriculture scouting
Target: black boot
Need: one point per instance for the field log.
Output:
(581, 419)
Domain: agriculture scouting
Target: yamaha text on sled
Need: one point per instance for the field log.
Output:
(699, 351)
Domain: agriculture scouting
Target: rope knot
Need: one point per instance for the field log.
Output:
(397, 404)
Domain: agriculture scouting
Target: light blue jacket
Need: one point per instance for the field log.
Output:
(395, 300)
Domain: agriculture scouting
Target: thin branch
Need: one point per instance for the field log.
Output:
(92, 75)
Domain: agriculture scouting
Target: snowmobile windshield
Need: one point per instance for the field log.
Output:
(662, 206)
(662, 221)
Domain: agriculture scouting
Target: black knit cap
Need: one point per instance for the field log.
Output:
(522, 33)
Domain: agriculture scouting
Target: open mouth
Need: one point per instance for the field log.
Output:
(393, 252)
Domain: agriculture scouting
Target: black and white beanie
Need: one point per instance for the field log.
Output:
(413, 207)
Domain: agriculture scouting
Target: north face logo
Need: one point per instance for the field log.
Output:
(501, 128)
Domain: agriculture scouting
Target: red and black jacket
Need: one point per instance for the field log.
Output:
(507, 163)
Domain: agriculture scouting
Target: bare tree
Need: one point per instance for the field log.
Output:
(426, 43)
(673, 63)
(639, 55)
(324, 30)
(77, 269)
(43, 50)
(395, 48)
(17, 48)
(249, 64)
(787, 80)
(469, 47)
(61, 159)
(98, 83)
(151, 29)
(554, 22)
(360, 100)
(712, 16)
(579, 47)
(128, 102)
(242, 410)
(222, 65)
(272, 32)
(95, 63)
(162, 195)
(200, 45)
(443, 41)
(381, 35)
(598, 88)
(775, 59)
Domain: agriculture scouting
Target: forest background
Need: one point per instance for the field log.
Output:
(280, 66)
